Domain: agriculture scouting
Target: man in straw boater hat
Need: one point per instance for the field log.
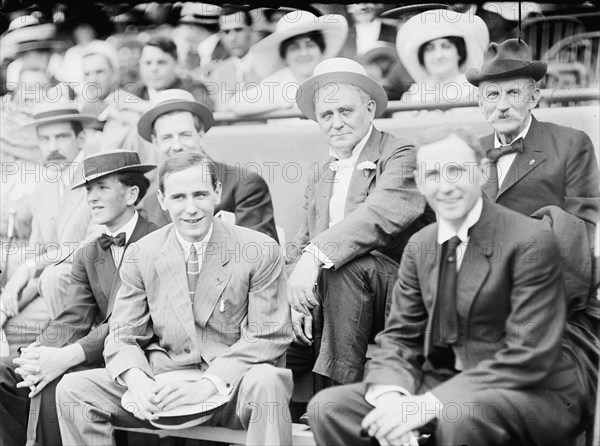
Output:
(472, 349)
(60, 217)
(192, 307)
(177, 123)
(359, 211)
(114, 182)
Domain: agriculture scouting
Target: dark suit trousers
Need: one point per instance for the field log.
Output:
(354, 305)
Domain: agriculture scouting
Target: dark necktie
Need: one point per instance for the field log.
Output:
(494, 155)
(106, 240)
(192, 269)
(445, 321)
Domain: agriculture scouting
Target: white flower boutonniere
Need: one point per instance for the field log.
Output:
(366, 167)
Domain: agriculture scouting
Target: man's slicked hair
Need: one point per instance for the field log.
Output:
(182, 161)
(441, 133)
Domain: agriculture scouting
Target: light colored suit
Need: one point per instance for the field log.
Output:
(237, 329)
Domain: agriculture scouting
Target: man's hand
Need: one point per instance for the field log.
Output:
(301, 284)
(40, 365)
(397, 416)
(142, 387)
(172, 395)
(302, 325)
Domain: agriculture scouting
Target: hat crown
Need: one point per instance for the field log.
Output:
(295, 18)
(339, 64)
(171, 95)
(105, 162)
(200, 9)
(511, 49)
(49, 107)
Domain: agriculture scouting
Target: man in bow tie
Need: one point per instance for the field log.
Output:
(360, 209)
(115, 183)
(533, 164)
(472, 350)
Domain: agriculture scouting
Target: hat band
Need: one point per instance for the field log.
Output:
(53, 113)
(108, 164)
(502, 66)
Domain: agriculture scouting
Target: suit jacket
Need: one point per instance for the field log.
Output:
(240, 316)
(511, 307)
(383, 207)
(558, 167)
(244, 193)
(91, 296)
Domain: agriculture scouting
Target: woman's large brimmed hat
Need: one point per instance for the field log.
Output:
(436, 24)
(334, 71)
(173, 100)
(54, 111)
(334, 28)
(110, 162)
(26, 33)
(509, 59)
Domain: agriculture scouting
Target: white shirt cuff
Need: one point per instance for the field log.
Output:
(223, 388)
(319, 256)
(376, 390)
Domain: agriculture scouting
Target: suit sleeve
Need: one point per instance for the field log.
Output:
(392, 206)
(533, 330)
(130, 325)
(302, 238)
(399, 355)
(253, 206)
(581, 182)
(266, 333)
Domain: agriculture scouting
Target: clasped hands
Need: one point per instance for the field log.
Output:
(301, 296)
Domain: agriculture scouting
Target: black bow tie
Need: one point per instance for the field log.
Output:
(106, 240)
(496, 153)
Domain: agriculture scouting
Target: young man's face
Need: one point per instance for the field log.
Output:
(98, 75)
(507, 104)
(190, 199)
(59, 143)
(109, 200)
(176, 132)
(450, 178)
(157, 68)
(235, 34)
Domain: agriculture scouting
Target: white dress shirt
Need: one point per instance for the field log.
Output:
(118, 251)
(505, 161)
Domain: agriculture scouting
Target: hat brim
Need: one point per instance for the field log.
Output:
(49, 45)
(265, 53)
(402, 10)
(146, 121)
(85, 120)
(536, 70)
(140, 168)
(308, 88)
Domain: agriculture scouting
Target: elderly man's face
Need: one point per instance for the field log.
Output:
(343, 115)
(507, 104)
(176, 132)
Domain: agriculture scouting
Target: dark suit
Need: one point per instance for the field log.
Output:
(558, 167)
(516, 385)
(382, 210)
(244, 193)
(89, 302)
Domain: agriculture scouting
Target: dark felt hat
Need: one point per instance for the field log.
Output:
(107, 163)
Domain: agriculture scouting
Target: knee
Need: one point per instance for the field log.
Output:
(325, 405)
(68, 387)
(264, 376)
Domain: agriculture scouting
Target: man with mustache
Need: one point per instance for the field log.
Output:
(60, 217)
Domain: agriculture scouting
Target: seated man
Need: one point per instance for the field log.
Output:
(473, 339)
(191, 300)
(75, 338)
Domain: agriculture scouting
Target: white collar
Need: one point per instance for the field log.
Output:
(523, 134)
(445, 231)
(127, 228)
(186, 246)
(357, 148)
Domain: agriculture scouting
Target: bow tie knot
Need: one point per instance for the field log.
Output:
(107, 240)
(497, 152)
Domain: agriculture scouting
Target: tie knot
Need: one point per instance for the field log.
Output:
(498, 152)
(107, 240)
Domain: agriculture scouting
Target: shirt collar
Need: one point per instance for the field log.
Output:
(127, 228)
(186, 246)
(357, 148)
(446, 232)
(523, 134)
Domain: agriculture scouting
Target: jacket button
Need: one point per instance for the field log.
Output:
(187, 350)
(228, 385)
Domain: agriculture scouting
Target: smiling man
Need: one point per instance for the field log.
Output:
(202, 295)
(472, 349)
(360, 209)
(114, 184)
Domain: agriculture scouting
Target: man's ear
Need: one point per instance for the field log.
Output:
(81, 139)
(535, 98)
(483, 171)
(218, 192)
(161, 199)
(371, 107)
(134, 193)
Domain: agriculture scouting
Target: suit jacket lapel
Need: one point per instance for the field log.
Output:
(214, 275)
(170, 267)
(323, 189)
(488, 189)
(432, 273)
(361, 179)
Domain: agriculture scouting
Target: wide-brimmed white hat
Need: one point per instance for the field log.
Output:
(436, 24)
(181, 417)
(336, 70)
(334, 28)
(170, 100)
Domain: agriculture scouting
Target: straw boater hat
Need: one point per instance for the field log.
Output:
(336, 70)
(509, 59)
(436, 24)
(334, 28)
(26, 33)
(173, 100)
(107, 163)
(196, 13)
(51, 112)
